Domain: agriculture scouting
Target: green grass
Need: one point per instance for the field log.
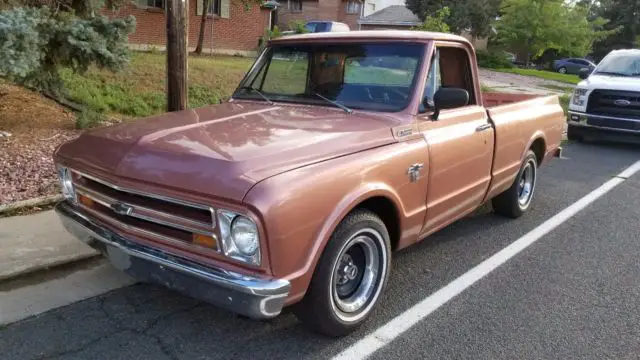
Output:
(139, 90)
(557, 87)
(564, 102)
(486, 88)
(548, 75)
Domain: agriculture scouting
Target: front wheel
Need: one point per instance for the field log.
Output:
(562, 70)
(349, 278)
(517, 199)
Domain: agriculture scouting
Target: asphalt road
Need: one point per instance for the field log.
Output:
(573, 294)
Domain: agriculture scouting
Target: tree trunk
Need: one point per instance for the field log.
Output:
(203, 22)
(177, 32)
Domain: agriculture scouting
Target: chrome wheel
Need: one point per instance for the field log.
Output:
(357, 275)
(562, 70)
(526, 184)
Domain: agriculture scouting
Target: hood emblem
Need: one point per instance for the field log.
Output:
(622, 102)
(121, 209)
(414, 172)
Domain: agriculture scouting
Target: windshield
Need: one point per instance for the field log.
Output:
(378, 77)
(620, 64)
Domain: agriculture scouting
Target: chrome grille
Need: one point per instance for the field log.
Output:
(148, 215)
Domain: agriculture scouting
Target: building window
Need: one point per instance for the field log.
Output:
(353, 7)
(214, 7)
(295, 5)
(151, 3)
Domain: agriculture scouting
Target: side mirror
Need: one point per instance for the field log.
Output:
(584, 73)
(449, 98)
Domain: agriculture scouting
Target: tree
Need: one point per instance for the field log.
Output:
(475, 16)
(35, 43)
(532, 26)
(203, 22)
(435, 23)
(622, 15)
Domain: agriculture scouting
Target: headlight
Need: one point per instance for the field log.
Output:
(240, 238)
(66, 183)
(579, 97)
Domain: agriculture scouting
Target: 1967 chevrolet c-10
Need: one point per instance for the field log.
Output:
(335, 150)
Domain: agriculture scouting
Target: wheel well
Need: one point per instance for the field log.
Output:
(388, 213)
(538, 147)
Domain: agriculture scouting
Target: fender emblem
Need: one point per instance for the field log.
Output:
(414, 172)
(121, 209)
(404, 132)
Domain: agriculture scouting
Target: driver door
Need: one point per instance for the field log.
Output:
(460, 142)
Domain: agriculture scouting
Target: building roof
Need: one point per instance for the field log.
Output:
(397, 15)
(374, 35)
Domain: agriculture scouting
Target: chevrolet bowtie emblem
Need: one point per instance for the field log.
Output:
(122, 209)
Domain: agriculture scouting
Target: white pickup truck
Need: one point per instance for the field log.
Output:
(606, 104)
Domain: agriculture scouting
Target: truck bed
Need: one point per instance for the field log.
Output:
(493, 99)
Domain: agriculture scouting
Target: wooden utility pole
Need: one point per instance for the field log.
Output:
(177, 40)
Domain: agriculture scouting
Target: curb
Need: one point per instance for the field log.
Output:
(64, 262)
(45, 200)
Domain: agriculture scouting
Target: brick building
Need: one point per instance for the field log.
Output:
(346, 11)
(230, 27)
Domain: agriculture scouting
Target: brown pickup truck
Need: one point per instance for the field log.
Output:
(335, 150)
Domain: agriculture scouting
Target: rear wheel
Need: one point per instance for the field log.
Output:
(517, 199)
(562, 70)
(349, 278)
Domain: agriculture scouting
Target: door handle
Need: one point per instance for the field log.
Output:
(483, 127)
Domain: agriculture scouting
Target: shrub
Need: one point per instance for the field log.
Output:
(88, 119)
(298, 26)
(493, 59)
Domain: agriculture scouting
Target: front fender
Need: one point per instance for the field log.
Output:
(301, 208)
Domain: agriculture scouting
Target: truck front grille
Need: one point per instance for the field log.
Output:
(614, 103)
(147, 215)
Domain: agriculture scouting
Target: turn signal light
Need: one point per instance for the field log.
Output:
(88, 202)
(205, 241)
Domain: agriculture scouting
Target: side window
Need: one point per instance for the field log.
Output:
(450, 68)
(455, 70)
(434, 82)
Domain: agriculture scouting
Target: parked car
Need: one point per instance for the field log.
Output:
(326, 26)
(320, 26)
(296, 191)
(605, 103)
(572, 65)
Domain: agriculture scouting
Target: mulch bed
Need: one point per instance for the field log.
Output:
(37, 126)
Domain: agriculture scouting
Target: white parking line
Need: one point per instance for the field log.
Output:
(403, 322)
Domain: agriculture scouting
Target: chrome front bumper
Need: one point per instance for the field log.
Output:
(579, 124)
(250, 296)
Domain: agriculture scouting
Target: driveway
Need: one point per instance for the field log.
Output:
(514, 83)
(573, 293)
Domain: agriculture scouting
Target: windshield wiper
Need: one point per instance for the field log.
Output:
(249, 88)
(334, 103)
(610, 73)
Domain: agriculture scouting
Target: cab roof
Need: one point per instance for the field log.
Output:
(375, 35)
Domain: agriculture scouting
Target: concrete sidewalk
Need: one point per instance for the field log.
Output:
(34, 242)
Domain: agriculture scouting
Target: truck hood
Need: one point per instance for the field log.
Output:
(223, 150)
(607, 82)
